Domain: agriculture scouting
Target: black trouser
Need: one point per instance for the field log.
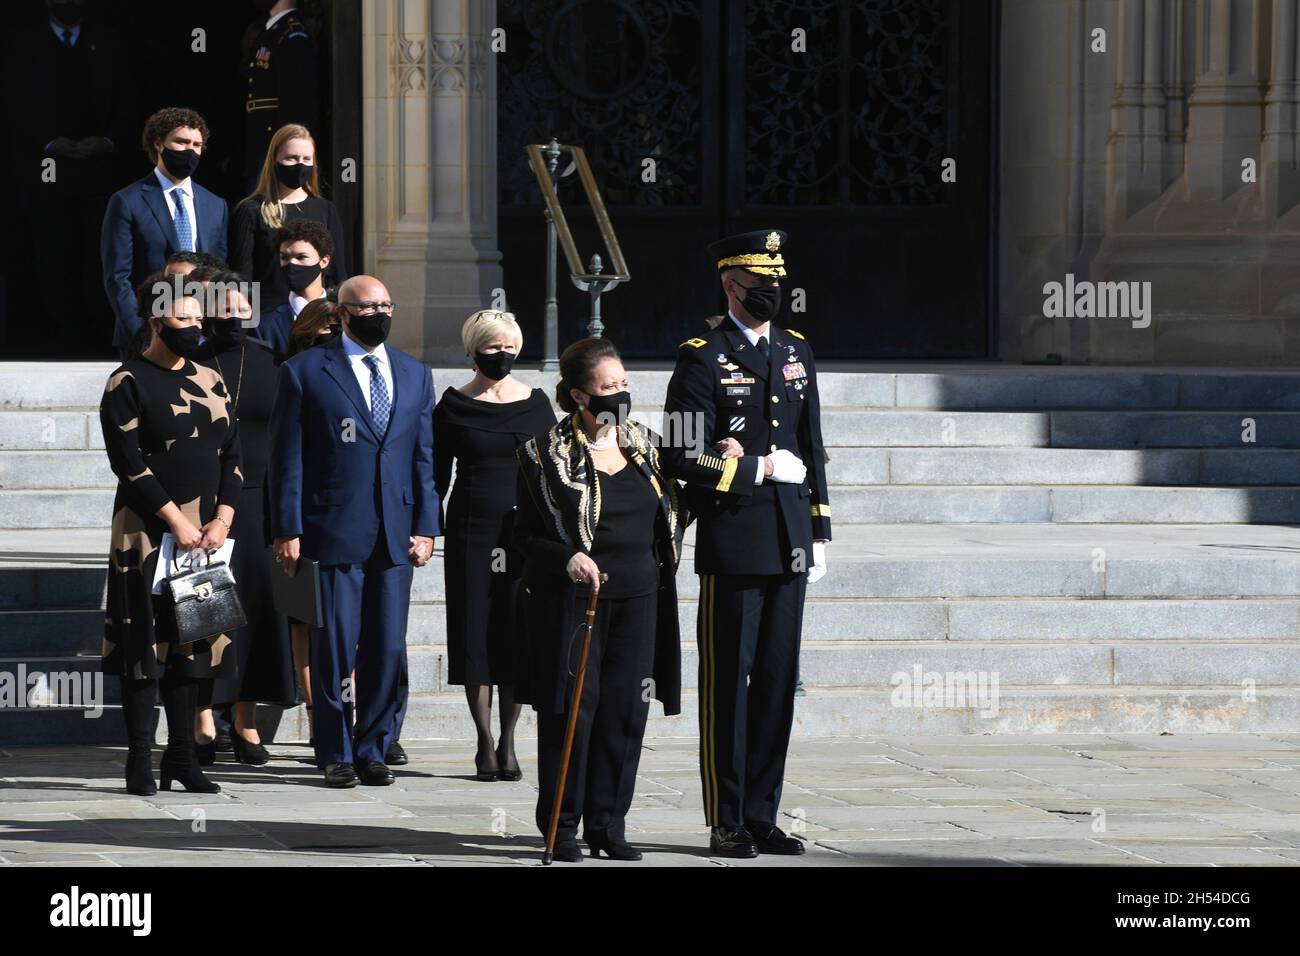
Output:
(611, 722)
(748, 637)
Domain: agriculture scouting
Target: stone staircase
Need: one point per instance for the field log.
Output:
(1100, 550)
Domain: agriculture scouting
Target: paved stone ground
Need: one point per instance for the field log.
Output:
(1231, 799)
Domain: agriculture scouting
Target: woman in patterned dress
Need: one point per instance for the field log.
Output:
(173, 444)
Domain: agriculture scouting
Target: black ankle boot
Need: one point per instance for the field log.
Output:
(179, 761)
(139, 773)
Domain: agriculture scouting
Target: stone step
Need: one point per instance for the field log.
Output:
(89, 470)
(80, 508)
(983, 385)
(853, 426)
(1077, 504)
(821, 712)
(846, 620)
(1058, 663)
(49, 570)
(1063, 466)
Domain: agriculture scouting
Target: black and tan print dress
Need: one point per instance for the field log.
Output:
(170, 436)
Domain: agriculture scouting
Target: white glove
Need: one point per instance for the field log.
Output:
(787, 467)
(818, 570)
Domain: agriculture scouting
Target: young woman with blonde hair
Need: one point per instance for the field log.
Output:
(287, 188)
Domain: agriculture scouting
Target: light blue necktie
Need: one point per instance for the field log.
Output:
(379, 403)
(184, 228)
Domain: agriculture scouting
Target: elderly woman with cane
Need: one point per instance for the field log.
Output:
(596, 515)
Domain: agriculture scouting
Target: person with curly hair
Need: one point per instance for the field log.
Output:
(163, 213)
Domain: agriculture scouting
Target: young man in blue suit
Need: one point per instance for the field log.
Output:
(353, 489)
(162, 213)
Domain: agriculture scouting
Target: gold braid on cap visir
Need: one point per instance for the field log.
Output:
(760, 262)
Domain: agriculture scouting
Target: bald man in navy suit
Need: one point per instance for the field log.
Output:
(353, 489)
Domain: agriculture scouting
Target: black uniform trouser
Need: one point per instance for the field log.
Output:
(748, 637)
(611, 721)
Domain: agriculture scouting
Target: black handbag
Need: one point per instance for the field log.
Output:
(205, 602)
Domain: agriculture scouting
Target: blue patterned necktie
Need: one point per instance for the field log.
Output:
(379, 403)
(184, 230)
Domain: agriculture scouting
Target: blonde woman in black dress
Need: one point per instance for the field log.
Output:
(478, 427)
(173, 444)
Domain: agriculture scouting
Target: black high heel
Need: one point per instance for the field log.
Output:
(507, 775)
(568, 851)
(614, 849)
(486, 775)
(254, 754)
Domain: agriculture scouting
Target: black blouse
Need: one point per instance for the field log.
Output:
(255, 256)
(623, 543)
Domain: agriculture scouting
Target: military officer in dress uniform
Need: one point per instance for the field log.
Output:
(282, 80)
(758, 491)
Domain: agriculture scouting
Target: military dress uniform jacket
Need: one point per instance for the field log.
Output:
(725, 385)
(283, 77)
(557, 511)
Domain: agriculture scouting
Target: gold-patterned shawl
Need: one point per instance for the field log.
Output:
(569, 497)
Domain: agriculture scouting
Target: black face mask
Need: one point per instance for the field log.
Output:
(225, 333)
(762, 302)
(495, 365)
(370, 330)
(299, 276)
(183, 342)
(617, 406)
(181, 163)
(293, 175)
(329, 336)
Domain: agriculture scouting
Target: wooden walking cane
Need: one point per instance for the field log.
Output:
(589, 625)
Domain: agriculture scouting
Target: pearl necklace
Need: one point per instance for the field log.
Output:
(602, 444)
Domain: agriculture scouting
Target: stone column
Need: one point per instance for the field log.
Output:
(429, 166)
(1280, 172)
(1225, 115)
(1139, 128)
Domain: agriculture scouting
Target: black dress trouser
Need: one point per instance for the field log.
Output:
(748, 638)
(611, 721)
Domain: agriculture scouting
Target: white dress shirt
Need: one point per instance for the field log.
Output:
(184, 189)
(58, 28)
(297, 303)
(355, 354)
(750, 335)
(752, 338)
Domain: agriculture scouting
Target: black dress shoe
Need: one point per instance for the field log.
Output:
(568, 852)
(375, 774)
(253, 754)
(340, 775)
(614, 849)
(737, 843)
(395, 756)
(770, 839)
(224, 743)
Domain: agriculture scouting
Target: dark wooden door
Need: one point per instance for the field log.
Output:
(841, 144)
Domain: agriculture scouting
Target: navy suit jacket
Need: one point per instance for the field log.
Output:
(138, 236)
(274, 327)
(334, 481)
